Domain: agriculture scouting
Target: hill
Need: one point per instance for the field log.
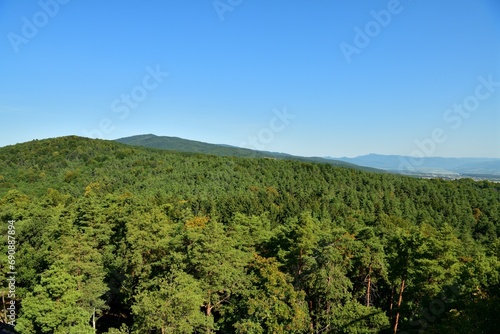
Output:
(185, 145)
(129, 239)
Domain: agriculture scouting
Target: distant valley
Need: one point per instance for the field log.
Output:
(476, 168)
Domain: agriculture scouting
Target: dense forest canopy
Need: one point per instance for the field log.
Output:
(136, 240)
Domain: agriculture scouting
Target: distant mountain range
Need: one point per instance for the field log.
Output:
(185, 145)
(429, 165)
(481, 168)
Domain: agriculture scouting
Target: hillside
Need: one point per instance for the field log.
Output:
(185, 145)
(144, 240)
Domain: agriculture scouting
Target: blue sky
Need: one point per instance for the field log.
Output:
(354, 77)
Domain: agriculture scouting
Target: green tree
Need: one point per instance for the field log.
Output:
(171, 304)
(72, 289)
(217, 263)
(272, 305)
(55, 306)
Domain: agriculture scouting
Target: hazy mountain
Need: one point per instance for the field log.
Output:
(185, 145)
(438, 165)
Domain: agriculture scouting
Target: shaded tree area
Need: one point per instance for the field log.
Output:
(118, 239)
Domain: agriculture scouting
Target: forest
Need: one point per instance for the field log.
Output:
(111, 238)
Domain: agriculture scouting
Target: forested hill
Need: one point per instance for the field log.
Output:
(152, 241)
(185, 145)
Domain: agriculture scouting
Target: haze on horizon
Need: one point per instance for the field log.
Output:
(311, 79)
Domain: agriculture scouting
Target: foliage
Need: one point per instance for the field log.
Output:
(128, 239)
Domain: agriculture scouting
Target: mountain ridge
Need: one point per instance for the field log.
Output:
(194, 146)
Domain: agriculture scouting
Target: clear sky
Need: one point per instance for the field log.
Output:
(346, 77)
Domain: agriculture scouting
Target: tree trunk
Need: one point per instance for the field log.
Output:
(208, 313)
(369, 286)
(391, 304)
(93, 320)
(400, 301)
(299, 269)
(311, 324)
